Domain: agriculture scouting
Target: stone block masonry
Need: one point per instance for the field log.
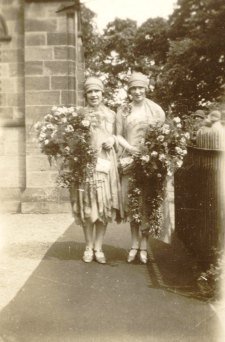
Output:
(48, 81)
(12, 66)
(40, 67)
(12, 113)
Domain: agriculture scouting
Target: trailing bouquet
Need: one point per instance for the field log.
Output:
(162, 153)
(64, 135)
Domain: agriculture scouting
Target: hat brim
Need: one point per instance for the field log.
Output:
(90, 87)
(135, 84)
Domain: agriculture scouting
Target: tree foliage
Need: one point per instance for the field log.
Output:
(195, 66)
(90, 37)
(184, 56)
(119, 37)
(152, 40)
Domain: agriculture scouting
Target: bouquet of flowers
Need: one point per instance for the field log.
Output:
(162, 152)
(64, 135)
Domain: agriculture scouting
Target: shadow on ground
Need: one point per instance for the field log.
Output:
(171, 268)
(67, 300)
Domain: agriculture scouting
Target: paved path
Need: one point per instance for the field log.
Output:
(47, 294)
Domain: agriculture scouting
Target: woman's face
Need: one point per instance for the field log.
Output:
(94, 97)
(138, 94)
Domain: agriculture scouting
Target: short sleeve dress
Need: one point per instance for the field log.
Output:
(132, 126)
(99, 198)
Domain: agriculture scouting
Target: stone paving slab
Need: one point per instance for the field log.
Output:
(24, 240)
(48, 294)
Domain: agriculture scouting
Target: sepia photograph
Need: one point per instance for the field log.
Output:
(112, 171)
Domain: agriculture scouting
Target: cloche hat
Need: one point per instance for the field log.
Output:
(215, 115)
(199, 114)
(93, 83)
(137, 79)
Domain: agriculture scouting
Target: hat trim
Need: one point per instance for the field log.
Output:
(89, 87)
(138, 84)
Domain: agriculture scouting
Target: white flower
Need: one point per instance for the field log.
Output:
(126, 161)
(162, 157)
(169, 173)
(165, 129)
(160, 138)
(42, 135)
(49, 126)
(137, 217)
(176, 119)
(62, 110)
(145, 158)
(69, 129)
(142, 141)
(187, 135)
(165, 126)
(154, 154)
(183, 140)
(74, 114)
(179, 163)
(53, 133)
(179, 150)
(64, 120)
(79, 108)
(46, 142)
(48, 117)
(85, 123)
(67, 149)
(179, 125)
(54, 108)
(70, 109)
(137, 191)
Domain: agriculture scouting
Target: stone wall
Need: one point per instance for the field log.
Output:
(12, 114)
(41, 66)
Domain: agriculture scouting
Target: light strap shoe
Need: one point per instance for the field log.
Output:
(132, 254)
(143, 256)
(100, 257)
(88, 255)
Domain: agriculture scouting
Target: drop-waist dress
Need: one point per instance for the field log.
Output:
(99, 198)
(132, 126)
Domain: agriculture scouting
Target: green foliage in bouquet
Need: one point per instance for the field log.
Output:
(64, 135)
(162, 153)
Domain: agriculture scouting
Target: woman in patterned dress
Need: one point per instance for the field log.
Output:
(98, 201)
(131, 127)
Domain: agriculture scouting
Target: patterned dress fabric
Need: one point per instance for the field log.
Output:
(99, 198)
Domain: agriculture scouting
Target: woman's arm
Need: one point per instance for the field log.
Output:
(124, 143)
(111, 141)
(120, 129)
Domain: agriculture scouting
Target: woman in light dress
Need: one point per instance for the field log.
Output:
(131, 127)
(98, 201)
